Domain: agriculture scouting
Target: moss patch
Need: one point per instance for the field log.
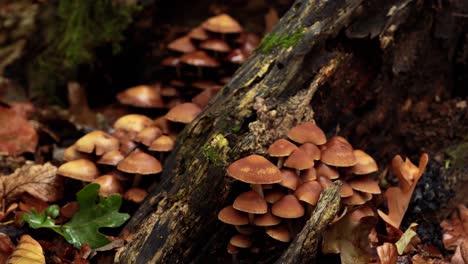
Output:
(275, 40)
(216, 151)
(78, 29)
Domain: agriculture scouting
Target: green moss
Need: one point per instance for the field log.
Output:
(272, 41)
(79, 28)
(216, 150)
(458, 155)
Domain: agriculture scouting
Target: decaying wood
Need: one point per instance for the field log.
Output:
(304, 247)
(268, 95)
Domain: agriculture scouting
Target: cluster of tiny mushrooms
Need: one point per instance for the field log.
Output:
(200, 63)
(128, 153)
(291, 188)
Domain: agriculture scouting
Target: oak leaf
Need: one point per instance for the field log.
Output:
(398, 198)
(39, 181)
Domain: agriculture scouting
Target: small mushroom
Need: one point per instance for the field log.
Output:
(280, 149)
(256, 170)
(136, 195)
(108, 185)
(139, 163)
(80, 169)
(307, 132)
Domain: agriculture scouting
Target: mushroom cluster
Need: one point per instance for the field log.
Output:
(123, 156)
(199, 64)
(283, 195)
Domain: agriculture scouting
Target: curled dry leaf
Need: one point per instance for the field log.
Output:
(387, 253)
(398, 198)
(27, 251)
(39, 181)
(350, 236)
(17, 135)
(455, 229)
(406, 239)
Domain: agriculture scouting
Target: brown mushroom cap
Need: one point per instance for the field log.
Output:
(312, 150)
(280, 233)
(288, 207)
(133, 123)
(111, 158)
(223, 23)
(267, 219)
(108, 185)
(231, 249)
(254, 169)
(338, 152)
(365, 184)
(217, 45)
(307, 132)
(182, 44)
(98, 141)
(309, 175)
(183, 113)
(171, 62)
(299, 160)
(199, 59)
(80, 169)
(309, 192)
(324, 181)
(346, 190)
(323, 169)
(281, 148)
(204, 97)
(241, 241)
(365, 163)
(357, 198)
(231, 216)
(148, 135)
(144, 96)
(250, 202)
(273, 196)
(139, 162)
(290, 179)
(136, 195)
(71, 153)
(198, 33)
(162, 144)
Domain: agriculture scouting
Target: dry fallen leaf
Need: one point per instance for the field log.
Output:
(39, 181)
(17, 135)
(6, 247)
(387, 253)
(350, 236)
(406, 239)
(27, 251)
(398, 198)
(455, 229)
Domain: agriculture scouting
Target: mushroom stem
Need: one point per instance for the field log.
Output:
(280, 162)
(136, 180)
(251, 218)
(258, 188)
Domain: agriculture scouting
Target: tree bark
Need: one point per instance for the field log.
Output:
(310, 49)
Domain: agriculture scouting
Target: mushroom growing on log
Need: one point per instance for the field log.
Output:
(313, 48)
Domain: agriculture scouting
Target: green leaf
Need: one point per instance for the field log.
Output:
(95, 212)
